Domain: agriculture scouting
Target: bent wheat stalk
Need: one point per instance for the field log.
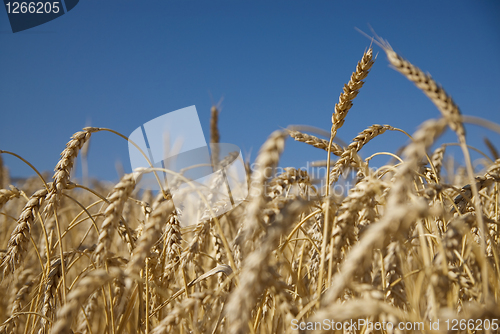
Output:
(450, 111)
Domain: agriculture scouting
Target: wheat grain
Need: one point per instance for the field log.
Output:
(289, 177)
(172, 246)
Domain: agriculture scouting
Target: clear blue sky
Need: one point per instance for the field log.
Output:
(121, 63)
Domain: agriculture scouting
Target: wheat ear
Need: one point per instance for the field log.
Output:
(289, 177)
(19, 294)
(113, 214)
(65, 165)
(431, 88)
(1, 172)
(316, 142)
(50, 293)
(20, 237)
(176, 315)
(6, 195)
(149, 236)
(357, 144)
(82, 290)
(395, 220)
(214, 135)
(452, 114)
(266, 161)
(256, 273)
(351, 90)
(172, 247)
(493, 150)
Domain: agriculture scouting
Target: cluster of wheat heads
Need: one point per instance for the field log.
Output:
(414, 241)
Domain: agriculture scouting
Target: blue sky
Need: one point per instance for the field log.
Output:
(121, 63)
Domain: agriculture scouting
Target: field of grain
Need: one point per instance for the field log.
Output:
(413, 243)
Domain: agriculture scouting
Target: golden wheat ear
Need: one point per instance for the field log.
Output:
(351, 90)
(444, 102)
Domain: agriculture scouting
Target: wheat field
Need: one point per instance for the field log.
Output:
(412, 247)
